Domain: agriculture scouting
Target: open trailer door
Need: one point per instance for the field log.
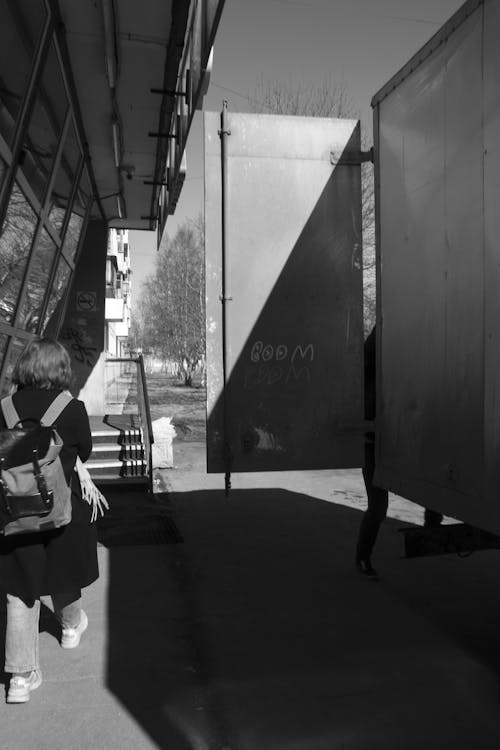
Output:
(284, 292)
(437, 160)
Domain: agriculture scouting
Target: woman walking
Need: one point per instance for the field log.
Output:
(58, 562)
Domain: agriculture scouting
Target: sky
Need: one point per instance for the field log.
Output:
(357, 44)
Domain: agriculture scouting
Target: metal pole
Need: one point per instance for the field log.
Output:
(224, 132)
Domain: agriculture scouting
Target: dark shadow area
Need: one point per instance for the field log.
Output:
(455, 593)
(49, 622)
(122, 422)
(296, 381)
(180, 384)
(151, 666)
(257, 632)
(136, 518)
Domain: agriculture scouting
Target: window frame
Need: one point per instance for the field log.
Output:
(50, 37)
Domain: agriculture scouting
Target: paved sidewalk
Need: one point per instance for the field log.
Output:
(257, 633)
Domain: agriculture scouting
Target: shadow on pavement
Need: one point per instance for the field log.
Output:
(257, 633)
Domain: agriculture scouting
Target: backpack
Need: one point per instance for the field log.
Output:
(34, 493)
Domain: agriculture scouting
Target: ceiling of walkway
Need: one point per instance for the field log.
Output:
(120, 50)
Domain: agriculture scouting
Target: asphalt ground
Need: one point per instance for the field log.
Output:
(256, 632)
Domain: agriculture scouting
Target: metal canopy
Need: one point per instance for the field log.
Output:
(118, 51)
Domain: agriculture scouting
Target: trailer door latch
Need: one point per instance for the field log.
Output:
(351, 158)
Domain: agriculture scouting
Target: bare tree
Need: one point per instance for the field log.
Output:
(328, 99)
(171, 316)
(15, 242)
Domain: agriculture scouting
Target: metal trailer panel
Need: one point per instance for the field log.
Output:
(294, 278)
(438, 257)
(491, 117)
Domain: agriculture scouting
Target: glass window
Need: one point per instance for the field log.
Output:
(45, 126)
(56, 298)
(43, 258)
(2, 171)
(15, 242)
(3, 345)
(20, 28)
(82, 200)
(65, 178)
(72, 236)
(15, 351)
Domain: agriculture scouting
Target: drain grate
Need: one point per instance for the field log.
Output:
(112, 532)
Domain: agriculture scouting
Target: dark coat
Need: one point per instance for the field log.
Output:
(60, 560)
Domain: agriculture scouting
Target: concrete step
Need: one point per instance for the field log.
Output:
(117, 452)
(114, 421)
(134, 467)
(104, 466)
(125, 468)
(116, 437)
(114, 479)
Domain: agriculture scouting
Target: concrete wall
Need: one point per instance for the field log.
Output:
(82, 331)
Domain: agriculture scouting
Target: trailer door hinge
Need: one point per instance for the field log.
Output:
(351, 158)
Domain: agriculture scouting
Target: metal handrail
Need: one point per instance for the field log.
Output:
(144, 409)
(149, 422)
(143, 401)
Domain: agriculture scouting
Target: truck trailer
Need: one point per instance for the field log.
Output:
(437, 183)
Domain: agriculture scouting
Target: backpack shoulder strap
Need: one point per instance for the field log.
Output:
(56, 408)
(9, 412)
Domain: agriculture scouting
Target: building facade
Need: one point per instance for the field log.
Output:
(96, 102)
(118, 294)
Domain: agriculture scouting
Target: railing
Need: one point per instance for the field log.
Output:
(145, 412)
(125, 390)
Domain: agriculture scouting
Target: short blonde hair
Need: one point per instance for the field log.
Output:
(45, 364)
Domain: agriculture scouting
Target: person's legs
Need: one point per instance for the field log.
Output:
(376, 511)
(69, 612)
(370, 524)
(432, 518)
(21, 648)
(68, 608)
(21, 637)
